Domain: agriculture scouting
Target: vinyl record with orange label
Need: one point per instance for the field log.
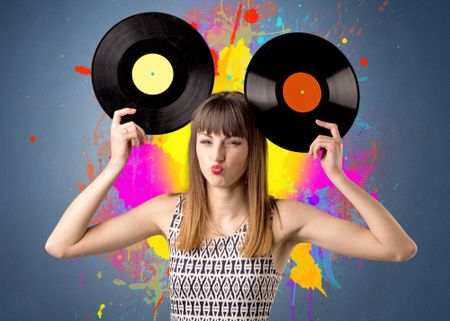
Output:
(156, 63)
(296, 78)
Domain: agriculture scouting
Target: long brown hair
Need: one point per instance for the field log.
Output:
(228, 113)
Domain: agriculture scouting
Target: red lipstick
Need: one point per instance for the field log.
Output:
(216, 169)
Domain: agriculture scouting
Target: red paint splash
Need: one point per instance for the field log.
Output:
(82, 70)
(215, 57)
(195, 25)
(251, 15)
(33, 139)
(157, 304)
(364, 62)
(238, 16)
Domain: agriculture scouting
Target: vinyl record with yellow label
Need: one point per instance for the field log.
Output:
(296, 78)
(156, 63)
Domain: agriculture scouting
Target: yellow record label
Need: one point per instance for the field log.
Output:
(152, 74)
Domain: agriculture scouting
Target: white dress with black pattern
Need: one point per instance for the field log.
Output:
(215, 282)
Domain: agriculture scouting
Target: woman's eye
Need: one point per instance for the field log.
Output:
(208, 142)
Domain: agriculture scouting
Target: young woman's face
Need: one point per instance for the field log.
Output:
(230, 153)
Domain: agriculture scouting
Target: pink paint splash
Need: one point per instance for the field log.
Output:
(145, 176)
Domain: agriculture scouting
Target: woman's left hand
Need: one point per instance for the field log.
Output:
(331, 160)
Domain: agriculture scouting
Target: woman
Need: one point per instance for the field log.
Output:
(227, 258)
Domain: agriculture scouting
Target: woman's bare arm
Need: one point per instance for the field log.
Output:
(384, 240)
(73, 224)
(124, 230)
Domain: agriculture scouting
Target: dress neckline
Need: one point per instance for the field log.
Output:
(227, 236)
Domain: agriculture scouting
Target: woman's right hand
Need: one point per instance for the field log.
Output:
(122, 134)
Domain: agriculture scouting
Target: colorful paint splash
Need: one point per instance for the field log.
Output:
(234, 31)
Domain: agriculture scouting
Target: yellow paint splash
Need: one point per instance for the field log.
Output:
(307, 274)
(283, 170)
(159, 245)
(231, 66)
(100, 310)
(99, 275)
(176, 144)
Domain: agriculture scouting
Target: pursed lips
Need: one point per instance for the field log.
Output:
(216, 169)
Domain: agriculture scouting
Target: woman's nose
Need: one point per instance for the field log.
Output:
(218, 153)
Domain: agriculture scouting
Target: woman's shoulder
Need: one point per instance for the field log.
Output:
(281, 204)
(164, 204)
(176, 195)
(169, 202)
(292, 215)
(286, 203)
(172, 200)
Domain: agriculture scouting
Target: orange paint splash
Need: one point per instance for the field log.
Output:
(90, 170)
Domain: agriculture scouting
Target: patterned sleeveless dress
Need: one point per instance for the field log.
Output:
(215, 283)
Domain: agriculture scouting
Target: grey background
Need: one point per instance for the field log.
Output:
(405, 97)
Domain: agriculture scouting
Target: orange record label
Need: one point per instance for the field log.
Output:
(302, 92)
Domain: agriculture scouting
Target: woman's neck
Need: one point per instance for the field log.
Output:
(227, 204)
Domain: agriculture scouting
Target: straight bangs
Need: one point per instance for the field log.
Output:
(220, 116)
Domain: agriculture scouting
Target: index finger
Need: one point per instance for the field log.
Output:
(331, 126)
(119, 113)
